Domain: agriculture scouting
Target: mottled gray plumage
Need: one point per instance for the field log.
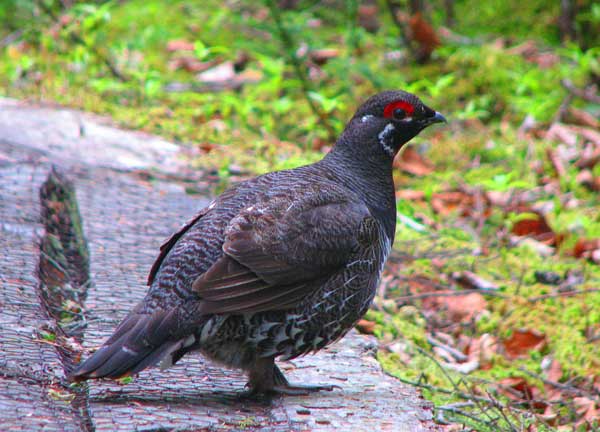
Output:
(277, 266)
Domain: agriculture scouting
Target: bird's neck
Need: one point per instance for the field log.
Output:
(370, 178)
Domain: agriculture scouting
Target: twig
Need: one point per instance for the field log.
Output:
(450, 380)
(450, 350)
(456, 405)
(471, 279)
(76, 38)
(401, 27)
(561, 386)
(562, 294)
(490, 424)
(288, 48)
(500, 408)
(403, 299)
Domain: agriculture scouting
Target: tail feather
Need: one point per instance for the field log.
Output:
(140, 341)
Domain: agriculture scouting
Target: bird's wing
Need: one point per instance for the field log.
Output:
(277, 253)
(171, 241)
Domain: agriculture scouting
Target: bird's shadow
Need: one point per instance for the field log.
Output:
(230, 398)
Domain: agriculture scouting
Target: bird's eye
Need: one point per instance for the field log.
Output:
(398, 110)
(399, 114)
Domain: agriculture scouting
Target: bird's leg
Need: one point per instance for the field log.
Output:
(266, 377)
(260, 376)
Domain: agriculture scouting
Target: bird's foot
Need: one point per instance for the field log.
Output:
(283, 387)
(268, 380)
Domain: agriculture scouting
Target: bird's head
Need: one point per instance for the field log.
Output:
(389, 120)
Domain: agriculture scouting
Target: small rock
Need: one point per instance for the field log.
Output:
(390, 306)
(235, 169)
(547, 277)
(539, 247)
(464, 368)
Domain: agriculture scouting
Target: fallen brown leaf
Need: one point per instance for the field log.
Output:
(587, 409)
(562, 133)
(322, 56)
(180, 45)
(522, 341)
(413, 163)
(423, 33)
(190, 64)
(526, 49)
(462, 308)
(586, 248)
(516, 388)
(410, 194)
(421, 284)
(365, 326)
(582, 118)
(368, 17)
(534, 225)
(555, 371)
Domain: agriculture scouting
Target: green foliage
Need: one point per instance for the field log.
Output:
(484, 86)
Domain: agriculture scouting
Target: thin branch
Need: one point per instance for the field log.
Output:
(456, 354)
(288, 48)
(401, 28)
(561, 386)
(562, 294)
(456, 411)
(452, 382)
(404, 299)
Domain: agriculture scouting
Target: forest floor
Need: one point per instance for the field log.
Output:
(490, 302)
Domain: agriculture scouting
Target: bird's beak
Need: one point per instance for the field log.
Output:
(437, 118)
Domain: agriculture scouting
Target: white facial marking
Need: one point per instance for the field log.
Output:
(366, 118)
(383, 136)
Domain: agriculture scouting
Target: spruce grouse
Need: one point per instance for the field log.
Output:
(277, 266)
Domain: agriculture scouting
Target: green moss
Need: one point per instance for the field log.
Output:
(484, 89)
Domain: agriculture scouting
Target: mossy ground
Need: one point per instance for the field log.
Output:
(485, 88)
